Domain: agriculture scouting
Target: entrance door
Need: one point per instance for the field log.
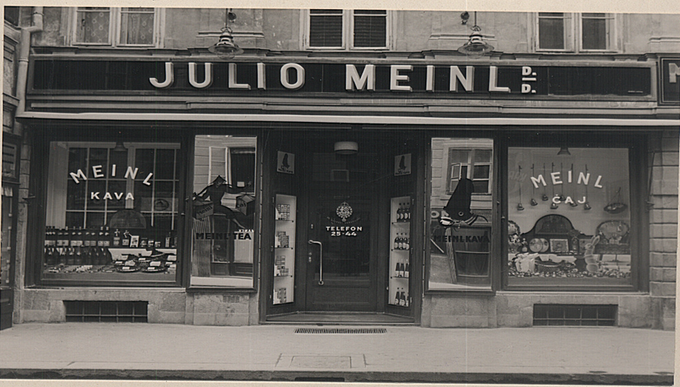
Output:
(342, 234)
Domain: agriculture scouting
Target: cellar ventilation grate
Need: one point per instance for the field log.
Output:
(340, 330)
(106, 311)
(574, 315)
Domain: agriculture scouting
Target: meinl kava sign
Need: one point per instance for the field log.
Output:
(100, 172)
(416, 79)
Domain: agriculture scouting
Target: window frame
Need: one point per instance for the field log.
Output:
(567, 39)
(438, 175)
(115, 24)
(36, 274)
(639, 247)
(348, 25)
(611, 39)
(255, 190)
(573, 34)
(132, 147)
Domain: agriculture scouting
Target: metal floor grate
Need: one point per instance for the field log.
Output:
(106, 311)
(340, 330)
(575, 315)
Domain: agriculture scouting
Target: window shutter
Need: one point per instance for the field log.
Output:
(370, 28)
(325, 28)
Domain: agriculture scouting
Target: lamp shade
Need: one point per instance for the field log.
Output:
(564, 151)
(476, 44)
(120, 147)
(346, 147)
(226, 47)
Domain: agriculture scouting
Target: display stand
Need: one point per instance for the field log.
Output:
(284, 249)
(400, 251)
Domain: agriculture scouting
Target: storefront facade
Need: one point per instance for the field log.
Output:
(380, 181)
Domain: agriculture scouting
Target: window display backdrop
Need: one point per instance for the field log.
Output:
(568, 216)
(112, 212)
(461, 214)
(223, 235)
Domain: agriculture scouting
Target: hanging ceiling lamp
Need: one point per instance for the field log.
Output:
(120, 147)
(476, 44)
(564, 151)
(225, 47)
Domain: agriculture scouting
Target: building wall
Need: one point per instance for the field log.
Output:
(663, 236)
(279, 29)
(166, 306)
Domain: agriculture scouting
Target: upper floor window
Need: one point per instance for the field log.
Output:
(473, 164)
(347, 29)
(558, 31)
(116, 26)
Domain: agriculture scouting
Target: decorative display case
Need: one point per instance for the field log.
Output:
(400, 251)
(284, 249)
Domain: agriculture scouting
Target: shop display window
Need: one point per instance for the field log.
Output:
(223, 230)
(568, 217)
(459, 250)
(112, 212)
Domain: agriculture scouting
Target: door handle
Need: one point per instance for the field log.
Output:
(312, 242)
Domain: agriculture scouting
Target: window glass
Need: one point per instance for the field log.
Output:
(12, 15)
(473, 164)
(461, 214)
(568, 217)
(93, 25)
(596, 31)
(551, 31)
(134, 26)
(223, 235)
(111, 213)
(137, 26)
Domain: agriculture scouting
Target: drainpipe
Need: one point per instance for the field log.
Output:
(24, 52)
(21, 243)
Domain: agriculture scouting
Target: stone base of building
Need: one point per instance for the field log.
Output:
(504, 309)
(166, 306)
(511, 309)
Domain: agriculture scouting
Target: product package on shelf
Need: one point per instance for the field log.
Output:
(283, 212)
(280, 269)
(281, 297)
(282, 240)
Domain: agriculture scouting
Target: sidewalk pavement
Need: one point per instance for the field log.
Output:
(547, 355)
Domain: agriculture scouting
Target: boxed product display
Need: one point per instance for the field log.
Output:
(281, 295)
(282, 240)
(283, 212)
(553, 248)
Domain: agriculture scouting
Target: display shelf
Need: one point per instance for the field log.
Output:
(400, 251)
(284, 249)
